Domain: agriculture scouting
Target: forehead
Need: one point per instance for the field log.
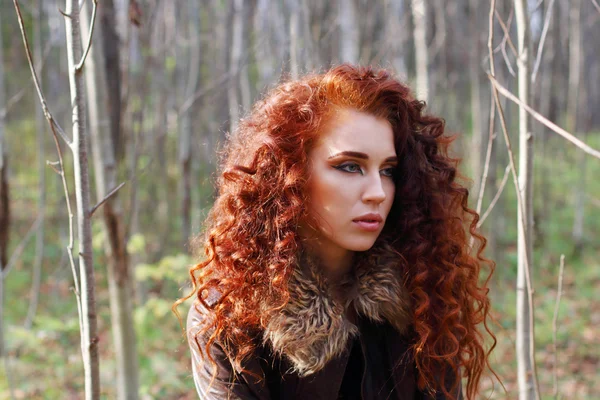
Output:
(349, 129)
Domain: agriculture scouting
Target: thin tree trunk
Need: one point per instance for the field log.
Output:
(572, 118)
(310, 57)
(265, 52)
(396, 36)
(547, 95)
(224, 16)
(120, 282)
(525, 362)
(293, 10)
(4, 218)
(41, 158)
(110, 48)
(349, 35)
(186, 126)
(476, 110)
(4, 188)
(419, 12)
(244, 81)
(89, 338)
(234, 63)
(164, 209)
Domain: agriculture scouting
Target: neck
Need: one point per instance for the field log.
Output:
(335, 264)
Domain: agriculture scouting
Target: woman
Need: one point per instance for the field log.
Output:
(337, 260)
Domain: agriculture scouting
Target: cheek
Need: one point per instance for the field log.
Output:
(328, 196)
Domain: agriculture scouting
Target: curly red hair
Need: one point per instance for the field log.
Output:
(251, 238)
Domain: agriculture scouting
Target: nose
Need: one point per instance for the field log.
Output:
(374, 190)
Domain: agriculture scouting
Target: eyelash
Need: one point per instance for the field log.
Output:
(342, 167)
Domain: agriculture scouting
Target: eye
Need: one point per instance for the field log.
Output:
(349, 167)
(389, 172)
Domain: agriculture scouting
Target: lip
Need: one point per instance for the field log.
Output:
(369, 222)
(369, 217)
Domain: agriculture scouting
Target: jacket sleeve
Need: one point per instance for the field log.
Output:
(226, 385)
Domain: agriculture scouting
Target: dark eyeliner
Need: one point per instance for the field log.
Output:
(341, 167)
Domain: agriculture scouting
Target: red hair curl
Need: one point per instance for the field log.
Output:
(251, 238)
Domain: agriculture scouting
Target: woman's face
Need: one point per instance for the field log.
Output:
(351, 186)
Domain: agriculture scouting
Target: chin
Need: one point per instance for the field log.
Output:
(360, 245)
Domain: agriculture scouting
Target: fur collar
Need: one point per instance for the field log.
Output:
(312, 327)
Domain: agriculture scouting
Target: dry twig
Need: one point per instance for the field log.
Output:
(112, 192)
(79, 66)
(56, 132)
(488, 155)
(570, 137)
(496, 197)
(538, 58)
(520, 202)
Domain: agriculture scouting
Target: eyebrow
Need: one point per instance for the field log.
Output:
(357, 154)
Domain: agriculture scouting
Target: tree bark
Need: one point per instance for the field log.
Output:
(525, 360)
(120, 279)
(89, 338)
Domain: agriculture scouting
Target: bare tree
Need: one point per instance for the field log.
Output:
(525, 352)
(84, 276)
(89, 344)
(103, 71)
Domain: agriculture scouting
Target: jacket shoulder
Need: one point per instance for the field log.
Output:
(218, 380)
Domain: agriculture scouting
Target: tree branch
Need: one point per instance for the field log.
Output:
(488, 155)
(112, 192)
(79, 66)
(520, 203)
(538, 58)
(506, 34)
(496, 197)
(570, 137)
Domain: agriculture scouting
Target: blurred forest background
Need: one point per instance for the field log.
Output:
(166, 80)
